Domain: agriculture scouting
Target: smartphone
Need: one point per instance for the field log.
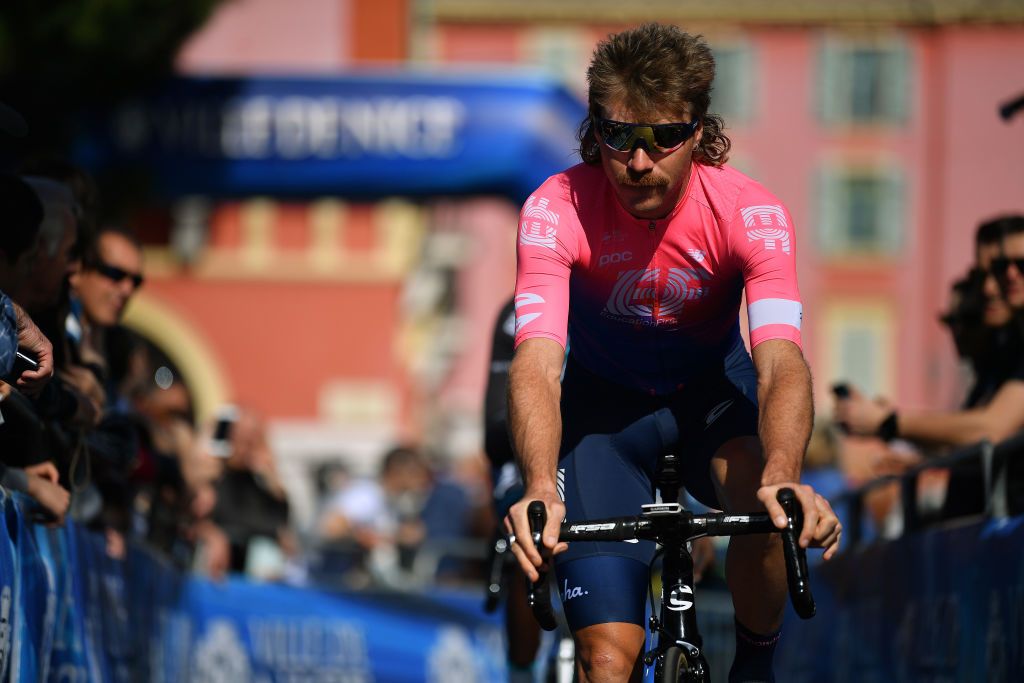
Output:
(24, 361)
(220, 442)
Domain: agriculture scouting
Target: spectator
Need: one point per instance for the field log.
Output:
(990, 336)
(110, 274)
(23, 213)
(996, 410)
(378, 521)
(161, 497)
(76, 401)
(251, 504)
(52, 261)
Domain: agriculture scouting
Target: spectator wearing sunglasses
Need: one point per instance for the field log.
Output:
(111, 273)
(994, 409)
(109, 276)
(1008, 266)
(642, 254)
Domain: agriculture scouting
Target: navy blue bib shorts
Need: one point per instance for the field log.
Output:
(611, 440)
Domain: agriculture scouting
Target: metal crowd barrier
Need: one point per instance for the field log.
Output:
(1002, 467)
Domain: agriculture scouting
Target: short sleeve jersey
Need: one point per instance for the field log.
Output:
(652, 303)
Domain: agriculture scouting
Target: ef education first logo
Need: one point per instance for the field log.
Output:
(539, 224)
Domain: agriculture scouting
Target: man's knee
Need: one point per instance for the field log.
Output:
(610, 652)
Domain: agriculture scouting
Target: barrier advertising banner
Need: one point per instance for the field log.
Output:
(373, 134)
(69, 613)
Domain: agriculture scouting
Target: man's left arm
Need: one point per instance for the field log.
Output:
(786, 414)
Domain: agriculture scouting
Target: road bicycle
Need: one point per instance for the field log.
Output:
(677, 654)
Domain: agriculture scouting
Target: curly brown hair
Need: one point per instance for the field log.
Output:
(656, 68)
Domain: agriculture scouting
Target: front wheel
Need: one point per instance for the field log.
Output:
(671, 666)
(676, 667)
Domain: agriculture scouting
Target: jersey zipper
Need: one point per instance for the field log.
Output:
(652, 227)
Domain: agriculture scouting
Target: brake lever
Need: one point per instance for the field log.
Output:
(537, 594)
(797, 575)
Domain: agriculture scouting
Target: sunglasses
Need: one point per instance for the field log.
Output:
(660, 137)
(1001, 266)
(118, 275)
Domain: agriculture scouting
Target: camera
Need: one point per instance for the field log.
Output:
(220, 442)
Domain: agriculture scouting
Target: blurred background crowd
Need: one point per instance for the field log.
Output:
(268, 256)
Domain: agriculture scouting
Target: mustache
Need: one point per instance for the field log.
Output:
(645, 180)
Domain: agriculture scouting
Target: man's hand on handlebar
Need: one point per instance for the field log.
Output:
(517, 525)
(821, 525)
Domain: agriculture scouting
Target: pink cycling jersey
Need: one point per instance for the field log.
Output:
(651, 303)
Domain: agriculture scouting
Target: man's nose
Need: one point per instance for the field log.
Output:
(639, 160)
(990, 285)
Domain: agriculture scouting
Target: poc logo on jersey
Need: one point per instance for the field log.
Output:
(767, 222)
(614, 259)
(539, 224)
(680, 598)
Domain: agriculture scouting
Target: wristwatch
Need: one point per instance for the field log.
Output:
(889, 429)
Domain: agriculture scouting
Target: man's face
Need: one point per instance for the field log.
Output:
(997, 311)
(50, 267)
(648, 183)
(105, 289)
(1013, 281)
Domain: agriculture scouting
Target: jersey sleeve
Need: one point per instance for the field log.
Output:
(761, 236)
(547, 246)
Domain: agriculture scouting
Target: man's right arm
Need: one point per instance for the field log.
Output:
(536, 428)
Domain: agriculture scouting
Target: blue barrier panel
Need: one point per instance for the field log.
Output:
(70, 613)
(940, 605)
(8, 572)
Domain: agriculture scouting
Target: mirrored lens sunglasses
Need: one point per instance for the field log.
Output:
(660, 137)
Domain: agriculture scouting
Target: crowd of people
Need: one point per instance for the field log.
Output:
(420, 520)
(83, 410)
(986, 322)
(97, 425)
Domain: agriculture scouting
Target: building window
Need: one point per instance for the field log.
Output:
(564, 53)
(861, 213)
(859, 342)
(732, 92)
(863, 81)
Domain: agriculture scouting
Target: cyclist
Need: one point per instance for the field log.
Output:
(641, 254)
